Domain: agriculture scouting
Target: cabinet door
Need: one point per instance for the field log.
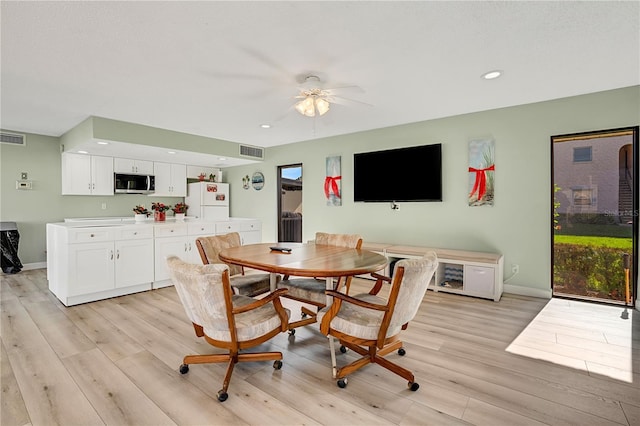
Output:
(169, 246)
(90, 268)
(143, 167)
(134, 262)
(162, 171)
(102, 175)
(479, 280)
(178, 180)
(76, 174)
(123, 165)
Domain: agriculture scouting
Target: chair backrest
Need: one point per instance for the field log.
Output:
(210, 247)
(201, 289)
(339, 240)
(412, 288)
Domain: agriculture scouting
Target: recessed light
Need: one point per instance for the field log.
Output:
(492, 74)
(222, 159)
(265, 126)
(83, 152)
(102, 143)
(171, 152)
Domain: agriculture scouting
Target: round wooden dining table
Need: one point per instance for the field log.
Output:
(306, 260)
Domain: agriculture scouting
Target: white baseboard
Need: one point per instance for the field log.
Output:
(528, 291)
(37, 265)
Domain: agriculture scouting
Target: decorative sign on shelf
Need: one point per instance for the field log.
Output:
(481, 172)
(332, 184)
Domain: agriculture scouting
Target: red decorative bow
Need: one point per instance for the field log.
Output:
(480, 184)
(331, 185)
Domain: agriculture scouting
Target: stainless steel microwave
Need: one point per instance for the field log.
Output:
(134, 184)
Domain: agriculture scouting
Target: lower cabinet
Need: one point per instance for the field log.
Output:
(94, 264)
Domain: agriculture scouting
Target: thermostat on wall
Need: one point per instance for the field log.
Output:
(24, 184)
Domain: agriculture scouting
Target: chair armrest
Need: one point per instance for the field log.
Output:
(362, 303)
(275, 295)
(378, 285)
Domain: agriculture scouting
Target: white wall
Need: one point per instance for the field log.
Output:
(518, 225)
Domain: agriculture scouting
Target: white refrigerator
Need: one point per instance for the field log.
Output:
(208, 200)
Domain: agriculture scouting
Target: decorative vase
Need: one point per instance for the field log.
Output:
(140, 217)
(180, 217)
(159, 216)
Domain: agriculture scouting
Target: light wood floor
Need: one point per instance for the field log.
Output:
(521, 361)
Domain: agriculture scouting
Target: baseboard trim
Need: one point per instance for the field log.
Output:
(527, 291)
(37, 265)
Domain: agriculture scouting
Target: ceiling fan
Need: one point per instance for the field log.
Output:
(314, 100)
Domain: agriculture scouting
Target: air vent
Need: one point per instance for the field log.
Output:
(13, 139)
(251, 151)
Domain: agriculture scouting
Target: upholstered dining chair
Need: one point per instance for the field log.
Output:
(226, 320)
(252, 284)
(312, 290)
(370, 325)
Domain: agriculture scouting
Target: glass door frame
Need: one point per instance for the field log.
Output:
(633, 131)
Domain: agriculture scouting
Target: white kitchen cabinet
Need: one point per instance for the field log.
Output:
(171, 179)
(171, 239)
(97, 262)
(128, 165)
(250, 232)
(86, 174)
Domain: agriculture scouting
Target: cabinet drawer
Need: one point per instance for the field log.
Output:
(250, 226)
(170, 230)
(202, 228)
(227, 227)
(135, 233)
(479, 279)
(86, 235)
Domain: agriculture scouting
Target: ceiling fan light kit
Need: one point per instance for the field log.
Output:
(313, 101)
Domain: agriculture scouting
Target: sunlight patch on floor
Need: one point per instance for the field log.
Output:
(600, 340)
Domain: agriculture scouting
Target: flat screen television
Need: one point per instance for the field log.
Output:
(403, 174)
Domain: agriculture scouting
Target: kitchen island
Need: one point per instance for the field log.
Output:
(92, 259)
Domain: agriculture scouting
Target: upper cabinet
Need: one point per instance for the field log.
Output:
(127, 165)
(87, 174)
(171, 179)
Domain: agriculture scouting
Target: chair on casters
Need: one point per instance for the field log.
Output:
(227, 321)
(370, 325)
(312, 290)
(252, 284)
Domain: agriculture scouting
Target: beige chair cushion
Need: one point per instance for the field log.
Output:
(365, 323)
(250, 284)
(201, 292)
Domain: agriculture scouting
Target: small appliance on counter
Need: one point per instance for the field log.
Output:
(208, 200)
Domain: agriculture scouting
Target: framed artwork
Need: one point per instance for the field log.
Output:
(481, 172)
(257, 181)
(332, 185)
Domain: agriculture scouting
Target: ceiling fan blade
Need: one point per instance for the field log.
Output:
(340, 100)
(353, 87)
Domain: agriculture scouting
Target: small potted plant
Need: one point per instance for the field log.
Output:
(141, 213)
(179, 210)
(201, 177)
(160, 211)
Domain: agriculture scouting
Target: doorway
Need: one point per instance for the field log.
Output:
(595, 216)
(290, 203)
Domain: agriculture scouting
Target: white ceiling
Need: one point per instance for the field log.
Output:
(221, 69)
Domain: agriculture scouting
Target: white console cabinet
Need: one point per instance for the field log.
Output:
(469, 273)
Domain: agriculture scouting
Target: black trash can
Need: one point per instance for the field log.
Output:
(9, 239)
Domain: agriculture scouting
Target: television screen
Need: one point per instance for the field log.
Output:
(404, 174)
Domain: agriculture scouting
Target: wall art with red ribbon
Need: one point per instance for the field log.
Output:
(481, 172)
(332, 185)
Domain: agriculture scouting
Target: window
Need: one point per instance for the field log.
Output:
(582, 154)
(582, 197)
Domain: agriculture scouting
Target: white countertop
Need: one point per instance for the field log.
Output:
(95, 222)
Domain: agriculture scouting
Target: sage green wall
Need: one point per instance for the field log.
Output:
(518, 225)
(33, 209)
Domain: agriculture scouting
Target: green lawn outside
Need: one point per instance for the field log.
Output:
(585, 240)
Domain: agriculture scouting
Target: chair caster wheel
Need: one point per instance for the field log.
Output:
(413, 386)
(343, 349)
(292, 332)
(402, 352)
(342, 383)
(222, 396)
(277, 364)
(184, 369)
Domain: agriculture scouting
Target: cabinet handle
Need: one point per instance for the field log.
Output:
(171, 230)
(92, 235)
(111, 254)
(135, 233)
(89, 186)
(118, 254)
